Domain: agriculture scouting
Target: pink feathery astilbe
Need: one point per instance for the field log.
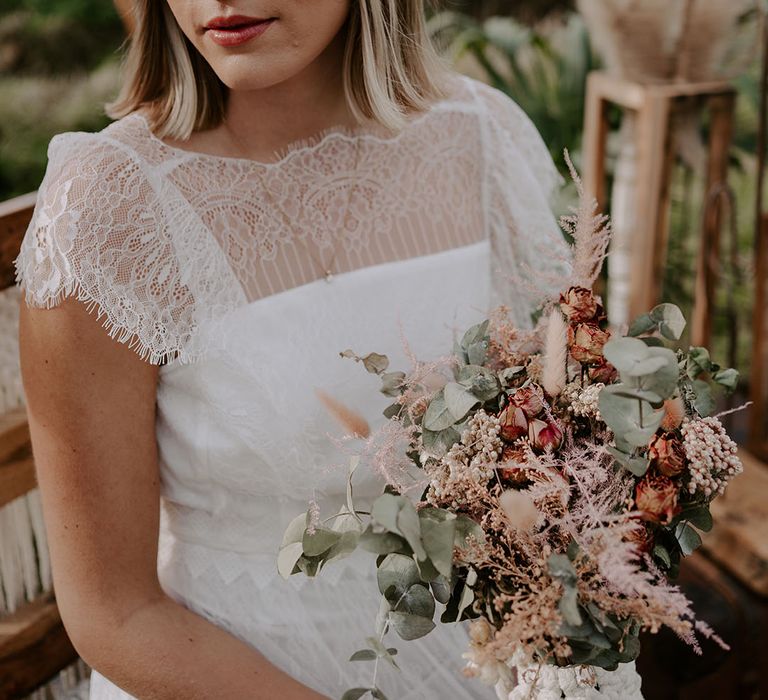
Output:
(628, 584)
(591, 233)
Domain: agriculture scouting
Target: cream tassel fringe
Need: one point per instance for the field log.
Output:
(555, 354)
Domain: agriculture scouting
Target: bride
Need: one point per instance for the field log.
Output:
(284, 179)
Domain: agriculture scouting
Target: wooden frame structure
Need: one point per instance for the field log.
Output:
(34, 645)
(655, 106)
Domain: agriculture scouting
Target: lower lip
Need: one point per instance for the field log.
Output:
(238, 35)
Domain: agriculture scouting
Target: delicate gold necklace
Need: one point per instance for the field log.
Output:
(326, 270)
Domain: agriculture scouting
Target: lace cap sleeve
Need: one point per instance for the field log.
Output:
(530, 255)
(98, 232)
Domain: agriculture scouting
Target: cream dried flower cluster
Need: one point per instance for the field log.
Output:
(712, 456)
(470, 462)
(583, 401)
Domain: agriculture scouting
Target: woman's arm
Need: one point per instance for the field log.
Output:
(91, 406)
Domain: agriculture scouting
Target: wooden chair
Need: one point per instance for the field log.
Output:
(34, 646)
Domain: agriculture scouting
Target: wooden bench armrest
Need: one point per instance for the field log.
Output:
(34, 647)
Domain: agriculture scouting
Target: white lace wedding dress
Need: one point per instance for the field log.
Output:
(200, 263)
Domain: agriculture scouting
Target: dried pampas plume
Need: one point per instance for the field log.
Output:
(553, 375)
(352, 421)
(520, 510)
(591, 232)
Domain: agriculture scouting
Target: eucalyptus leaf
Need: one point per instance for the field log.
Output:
(642, 324)
(381, 542)
(295, 530)
(417, 600)
(364, 655)
(438, 534)
(662, 554)
(728, 378)
(458, 400)
(670, 320)
(475, 334)
(439, 441)
(698, 362)
(664, 380)
(465, 528)
(355, 693)
(319, 542)
(441, 589)
(632, 421)
(397, 571)
(410, 626)
(437, 416)
(377, 694)
(287, 557)
(569, 606)
(375, 363)
(392, 383)
(392, 410)
(632, 357)
(477, 352)
(409, 526)
(688, 539)
(699, 517)
(704, 402)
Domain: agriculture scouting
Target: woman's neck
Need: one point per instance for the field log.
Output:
(259, 123)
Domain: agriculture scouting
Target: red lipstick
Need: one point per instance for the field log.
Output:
(236, 29)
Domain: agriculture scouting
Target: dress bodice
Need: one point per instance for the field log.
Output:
(200, 263)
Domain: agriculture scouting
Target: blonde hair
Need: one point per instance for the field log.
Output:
(390, 69)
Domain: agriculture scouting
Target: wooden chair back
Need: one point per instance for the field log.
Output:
(34, 646)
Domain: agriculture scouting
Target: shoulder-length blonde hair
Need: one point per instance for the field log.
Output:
(390, 69)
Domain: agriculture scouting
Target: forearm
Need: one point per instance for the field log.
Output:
(162, 651)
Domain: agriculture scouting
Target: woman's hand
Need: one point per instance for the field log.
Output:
(91, 407)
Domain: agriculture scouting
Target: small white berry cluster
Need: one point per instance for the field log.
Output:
(471, 460)
(583, 401)
(712, 456)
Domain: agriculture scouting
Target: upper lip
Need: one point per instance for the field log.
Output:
(234, 21)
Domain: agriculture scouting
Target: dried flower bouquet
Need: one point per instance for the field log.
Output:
(542, 484)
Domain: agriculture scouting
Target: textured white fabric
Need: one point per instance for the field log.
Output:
(188, 261)
(545, 682)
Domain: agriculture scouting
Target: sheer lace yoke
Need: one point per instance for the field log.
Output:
(162, 240)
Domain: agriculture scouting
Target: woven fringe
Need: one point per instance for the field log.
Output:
(25, 566)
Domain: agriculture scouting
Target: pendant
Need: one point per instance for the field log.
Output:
(328, 276)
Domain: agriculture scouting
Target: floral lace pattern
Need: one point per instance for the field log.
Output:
(161, 240)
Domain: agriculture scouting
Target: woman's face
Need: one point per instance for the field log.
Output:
(254, 44)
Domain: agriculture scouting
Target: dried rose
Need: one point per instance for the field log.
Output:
(641, 538)
(602, 371)
(512, 466)
(529, 400)
(656, 498)
(544, 435)
(667, 454)
(586, 341)
(514, 424)
(579, 304)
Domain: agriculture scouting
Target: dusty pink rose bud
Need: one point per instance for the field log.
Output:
(544, 436)
(656, 498)
(586, 341)
(603, 371)
(579, 304)
(529, 400)
(514, 424)
(667, 454)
